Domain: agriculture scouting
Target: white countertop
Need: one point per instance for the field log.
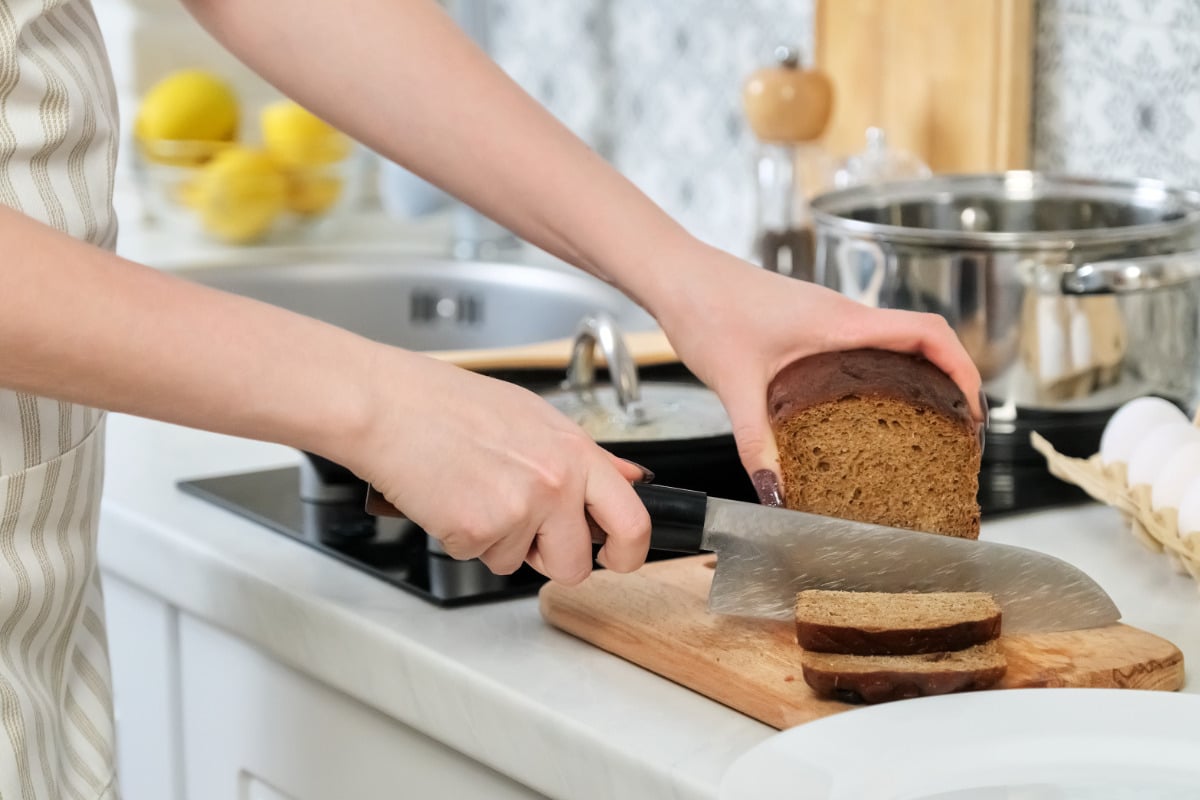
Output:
(494, 681)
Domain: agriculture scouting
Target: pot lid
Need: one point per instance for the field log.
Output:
(630, 410)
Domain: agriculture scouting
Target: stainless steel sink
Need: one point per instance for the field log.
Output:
(426, 303)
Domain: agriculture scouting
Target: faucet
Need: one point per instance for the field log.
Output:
(475, 237)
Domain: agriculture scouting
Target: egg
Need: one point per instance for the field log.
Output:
(1189, 510)
(1130, 424)
(1156, 447)
(1176, 476)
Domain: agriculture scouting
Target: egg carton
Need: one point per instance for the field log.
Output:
(1107, 483)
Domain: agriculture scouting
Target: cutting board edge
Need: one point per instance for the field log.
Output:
(569, 610)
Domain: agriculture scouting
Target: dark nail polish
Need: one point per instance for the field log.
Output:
(647, 475)
(766, 483)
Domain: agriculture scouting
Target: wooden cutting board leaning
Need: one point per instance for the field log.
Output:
(658, 618)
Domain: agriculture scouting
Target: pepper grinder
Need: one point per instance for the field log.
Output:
(788, 108)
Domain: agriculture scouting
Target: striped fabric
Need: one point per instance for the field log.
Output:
(58, 138)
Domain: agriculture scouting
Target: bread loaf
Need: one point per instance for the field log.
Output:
(877, 436)
(880, 623)
(877, 679)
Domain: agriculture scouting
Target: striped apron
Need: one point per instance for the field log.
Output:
(58, 136)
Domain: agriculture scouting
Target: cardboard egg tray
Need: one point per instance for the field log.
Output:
(1158, 530)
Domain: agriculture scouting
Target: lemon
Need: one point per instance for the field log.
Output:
(297, 138)
(312, 192)
(191, 106)
(238, 194)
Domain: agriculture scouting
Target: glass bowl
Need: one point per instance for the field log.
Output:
(236, 194)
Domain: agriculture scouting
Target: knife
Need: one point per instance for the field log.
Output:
(766, 555)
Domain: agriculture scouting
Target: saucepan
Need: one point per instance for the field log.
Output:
(1071, 295)
(676, 428)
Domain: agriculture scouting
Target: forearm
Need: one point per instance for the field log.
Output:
(401, 77)
(80, 324)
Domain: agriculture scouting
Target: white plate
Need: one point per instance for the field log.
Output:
(1016, 744)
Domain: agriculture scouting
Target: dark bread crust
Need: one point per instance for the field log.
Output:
(856, 641)
(879, 437)
(828, 377)
(884, 685)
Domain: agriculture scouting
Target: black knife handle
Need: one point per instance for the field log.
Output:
(676, 517)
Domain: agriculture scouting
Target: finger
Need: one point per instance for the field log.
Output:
(931, 336)
(507, 555)
(631, 471)
(562, 549)
(747, 409)
(616, 509)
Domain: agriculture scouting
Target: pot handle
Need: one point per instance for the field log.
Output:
(599, 329)
(1132, 274)
(857, 283)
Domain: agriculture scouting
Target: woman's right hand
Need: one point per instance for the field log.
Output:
(493, 471)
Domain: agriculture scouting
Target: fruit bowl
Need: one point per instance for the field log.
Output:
(237, 194)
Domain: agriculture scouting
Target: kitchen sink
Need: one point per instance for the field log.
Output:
(426, 303)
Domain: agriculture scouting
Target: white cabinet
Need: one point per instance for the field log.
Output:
(254, 729)
(143, 647)
(203, 715)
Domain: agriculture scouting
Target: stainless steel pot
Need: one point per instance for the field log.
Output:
(1070, 295)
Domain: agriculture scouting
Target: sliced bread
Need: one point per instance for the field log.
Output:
(877, 436)
(877, 679)
(882, 623)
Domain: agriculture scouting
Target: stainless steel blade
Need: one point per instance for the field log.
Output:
(766, 555)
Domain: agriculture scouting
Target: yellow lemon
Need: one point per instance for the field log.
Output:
(238, 195)
(186, 106)
(297, 138)
(312, 192)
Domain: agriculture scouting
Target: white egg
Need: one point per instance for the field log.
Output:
(1130, 424)
(1189, 510)
(1176, 476)
(1158, 445)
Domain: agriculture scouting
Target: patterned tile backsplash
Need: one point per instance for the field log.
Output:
(655, 86)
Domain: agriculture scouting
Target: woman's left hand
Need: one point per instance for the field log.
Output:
(736, 326)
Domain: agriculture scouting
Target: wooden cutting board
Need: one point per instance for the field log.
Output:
(657, 618)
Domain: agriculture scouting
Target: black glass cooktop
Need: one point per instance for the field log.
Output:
(400, 553)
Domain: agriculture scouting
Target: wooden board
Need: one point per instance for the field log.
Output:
(950, 80)
(647, 348)
(657, 618)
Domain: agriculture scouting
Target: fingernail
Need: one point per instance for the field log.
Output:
(647, 475)
(980, 432)
(766, 483)
(983, 406)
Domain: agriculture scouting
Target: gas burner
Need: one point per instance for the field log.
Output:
(392, 550)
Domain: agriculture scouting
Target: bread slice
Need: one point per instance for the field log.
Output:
(882, 623)
(877, 679)
(877, 436)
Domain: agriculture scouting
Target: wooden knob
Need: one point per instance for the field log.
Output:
(785, 103)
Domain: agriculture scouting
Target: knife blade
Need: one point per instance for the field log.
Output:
(765, 556)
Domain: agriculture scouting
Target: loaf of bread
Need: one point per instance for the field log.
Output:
(878, 679)
(882, 623)
(877, 436)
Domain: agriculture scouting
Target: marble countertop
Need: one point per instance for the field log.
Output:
(495, 681)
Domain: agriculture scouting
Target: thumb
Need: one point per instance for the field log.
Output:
(756, 444)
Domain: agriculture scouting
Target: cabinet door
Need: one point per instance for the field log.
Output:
(143, 648)
(255, 729)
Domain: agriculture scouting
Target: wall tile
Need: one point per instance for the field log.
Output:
(663, 91)
(1114, 99)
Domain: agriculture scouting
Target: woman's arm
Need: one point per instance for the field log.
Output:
(401, 77)
(489, 468)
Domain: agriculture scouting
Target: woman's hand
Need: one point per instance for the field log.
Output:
(494, 472)
(736, 326)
